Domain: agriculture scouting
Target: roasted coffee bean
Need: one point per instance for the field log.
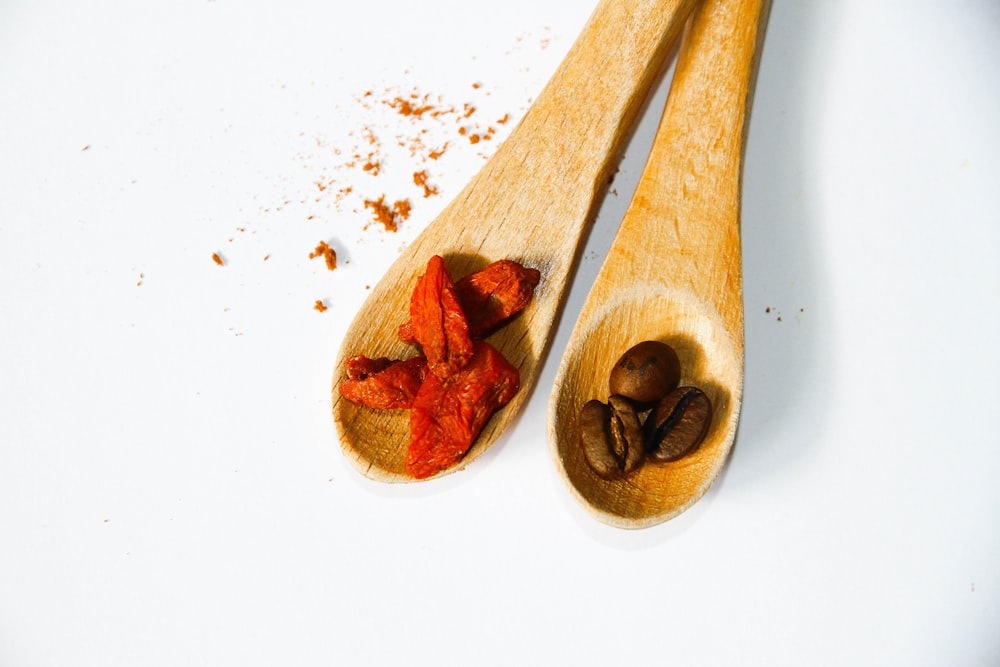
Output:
(646, 373)
(626, 432)
(595, 439)
(678, 424)
(611, 437)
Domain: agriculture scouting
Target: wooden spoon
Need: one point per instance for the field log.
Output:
(673, 273)
(530, 203)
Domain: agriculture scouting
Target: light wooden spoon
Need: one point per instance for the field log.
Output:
(673, 273)
(530, 203)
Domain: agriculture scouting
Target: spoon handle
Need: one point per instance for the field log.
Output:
(550, 170)
(684, 218)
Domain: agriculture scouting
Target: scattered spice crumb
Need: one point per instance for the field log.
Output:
(267, 257)
(217, 259)
(85, 148)
(139, 283)
(389, 217)
(406, 107)
(319, 305)
(420, 180)
(327, 253)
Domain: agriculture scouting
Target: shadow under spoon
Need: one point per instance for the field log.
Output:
(673, 274)
(530, 203)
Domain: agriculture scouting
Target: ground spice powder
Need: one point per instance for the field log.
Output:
(327, 253)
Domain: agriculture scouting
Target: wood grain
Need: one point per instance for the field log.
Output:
(531, 203)
(673, 272)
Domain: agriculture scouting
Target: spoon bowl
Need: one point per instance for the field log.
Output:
(673, 274)
(530, 203)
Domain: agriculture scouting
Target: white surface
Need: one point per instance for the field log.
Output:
(171, 489)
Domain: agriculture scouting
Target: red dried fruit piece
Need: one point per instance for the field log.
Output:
(383, 383)
(489, 297)
(448, 414)
(495, 293)
(437, 320)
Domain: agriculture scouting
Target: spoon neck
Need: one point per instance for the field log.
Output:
(595, 95)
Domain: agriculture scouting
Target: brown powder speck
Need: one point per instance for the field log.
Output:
(85, 148)
(141, 276)
(407, 108)
(434, 155)
(319, 305)
(401, 209)
(389, 217)
(372, 166)
(327, 253)
(474, 138)
(217, 259)
(420, 180)
(267, 257)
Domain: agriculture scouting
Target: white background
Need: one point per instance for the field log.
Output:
(171, 488)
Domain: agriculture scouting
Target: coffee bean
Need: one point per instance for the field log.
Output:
(611, 437)
(678, 424)
(647, 372)
(626, 431)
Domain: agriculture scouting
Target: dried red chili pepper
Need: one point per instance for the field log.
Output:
(438, 323)
(383, 383)
(448, 414)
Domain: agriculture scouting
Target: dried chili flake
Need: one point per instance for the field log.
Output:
(439, 325)
(383, 383)
(448, 414)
